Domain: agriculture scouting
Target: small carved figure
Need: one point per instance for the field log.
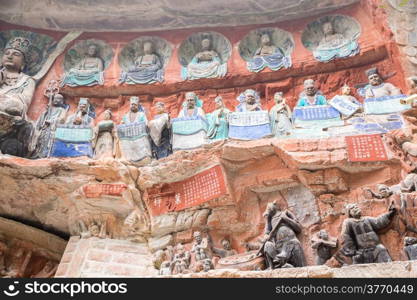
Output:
(160, 132)
(181, 261)
(205, 64)
(207, 265)
(133, 135)
(250, 101)
(281, 247)
(280, 116)
(48, 271)
(82, 117)
(377, 87)
(226, 251)
(147, 68)
(104, 137)
(311, 96)
(88, 72)
(192, 106)
(201, 247)
(345, 103)
(331, 38)
(359, 235)
(323, 244)
(166, 268)
(47, 124)
(218, 121)
(410, 247)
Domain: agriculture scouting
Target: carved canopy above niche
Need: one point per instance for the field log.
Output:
(141, 15)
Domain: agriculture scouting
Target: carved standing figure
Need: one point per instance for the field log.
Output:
(104, 137)
(410, 247)
(359, 236)
(47, 124)
(16, 88)
(345, 103)
(88, 72)
(250, 101)
(205, 64)
(192, 106)
(160, 132)
(323, 244)
(181, 260)
(226, 251)
(282, 249)
(82, 116)
(280, 116)
(311, 96)
(218, 121)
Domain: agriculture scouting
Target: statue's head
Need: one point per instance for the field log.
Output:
(226, 244)
(197, 236)
(179, 249)
(94, 230)
(207, 265)
(134, 103)
(14, 54)
(107, 115)
(92, 50)
(374, 77)
(159, 107)
(83, 105)
(265, 39)
(190, 99)
(310, 87)
(328, 28)
(323, 234)
(346, 90)
(271, 209)
(250, 96)
(384, 190)
(218, 101)
(206, 44)
(58, 100)
(148, 47)
(409, 240)
(279, 98)
(353, 210)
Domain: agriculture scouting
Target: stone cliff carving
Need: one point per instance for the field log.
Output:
(143, 60)
(323, 244)
(410, 247)
(218, 121)
(359, 236)
(311, 96)
(46, 126)
(249, 101)
(332, 37)
(280, 116)
(160, 132)
(181, 260)
(132, 133)
(281, 248)
(267, 48)
(104, 137)
(190, 128)
(85, 62)
(204, 55)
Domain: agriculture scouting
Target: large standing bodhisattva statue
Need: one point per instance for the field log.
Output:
(16, 88)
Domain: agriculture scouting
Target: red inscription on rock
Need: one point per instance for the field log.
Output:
(97, 190)
(203, 187)
(366, 148)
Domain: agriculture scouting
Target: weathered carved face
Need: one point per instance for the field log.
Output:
(310, 90)
(82, 108)
(328, 28)
(323, 235)
(134, 107)
(346, 90)
(205, 44)
(92, 50)
(190, 102)
(13, 60)
(278, 98)
(197, 237)
(58, 100)
(250, 99)
(226, 245)
(107, 115)
(147, 48)
(219, 103)
(355, 212)
(159, 108)
(94, 230)
(265, 40)
(384, 190)
(375, 79)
